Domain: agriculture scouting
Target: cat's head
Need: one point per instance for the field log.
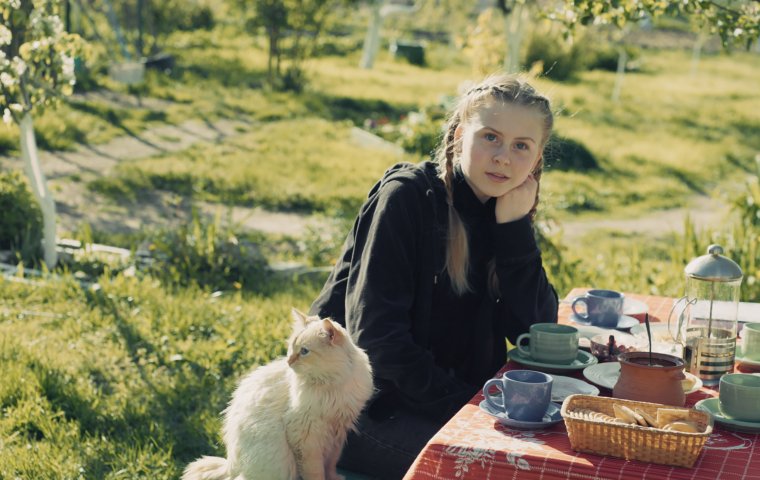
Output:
(319, 348)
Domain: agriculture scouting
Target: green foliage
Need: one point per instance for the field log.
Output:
(562, 153)
(737, 22)
(36, 56)
(21, 221)
(208, 255)
(560, 60)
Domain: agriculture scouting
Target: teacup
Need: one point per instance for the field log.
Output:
(523, 394)
(603, 307)
(751, 341)
(550, 343)
(740, 396)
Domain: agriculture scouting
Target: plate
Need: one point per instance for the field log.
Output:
(662, 342)
(712, 406)
(563, 387)
(660, 332)
(748, 362)
(606, 375)
(583, 360)
(551, 417)
(631, 306)
(624, 322)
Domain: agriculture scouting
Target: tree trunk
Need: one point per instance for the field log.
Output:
(622, 60)
(39, 188)
(372, 39)
(515, 27)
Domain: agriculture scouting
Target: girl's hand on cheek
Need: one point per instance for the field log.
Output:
(517, 202)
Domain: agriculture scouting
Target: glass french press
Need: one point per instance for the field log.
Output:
(707, 325)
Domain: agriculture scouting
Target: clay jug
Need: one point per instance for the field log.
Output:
(659, 382)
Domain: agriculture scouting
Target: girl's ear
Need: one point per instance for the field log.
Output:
(333, 334)
(299, 319)
(458, 132)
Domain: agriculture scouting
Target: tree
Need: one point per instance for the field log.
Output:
(737, 22)
(36, 69)
(299, 22)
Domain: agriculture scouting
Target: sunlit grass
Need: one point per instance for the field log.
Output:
(305, 164)
(127, 380)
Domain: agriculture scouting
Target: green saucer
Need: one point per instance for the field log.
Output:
(712, 406)
(583, 360)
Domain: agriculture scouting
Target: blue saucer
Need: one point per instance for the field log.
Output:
(624, 322)
(551, 417)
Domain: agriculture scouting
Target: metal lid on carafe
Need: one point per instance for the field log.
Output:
(714, 267)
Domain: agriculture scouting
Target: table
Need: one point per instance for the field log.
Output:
(472, 445)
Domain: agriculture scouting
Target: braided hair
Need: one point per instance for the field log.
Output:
(509, 89)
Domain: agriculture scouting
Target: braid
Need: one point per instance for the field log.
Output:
(457, 251)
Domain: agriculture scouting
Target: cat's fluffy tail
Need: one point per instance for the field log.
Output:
(207, 468)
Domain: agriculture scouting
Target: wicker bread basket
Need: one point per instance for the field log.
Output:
(633, 442)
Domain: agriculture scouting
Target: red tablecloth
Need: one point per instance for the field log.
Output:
(473, 445)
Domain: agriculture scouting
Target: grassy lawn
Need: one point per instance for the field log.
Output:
(125, 380)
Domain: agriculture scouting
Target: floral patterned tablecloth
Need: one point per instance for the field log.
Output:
(473, 445)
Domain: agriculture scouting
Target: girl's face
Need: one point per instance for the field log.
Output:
(501, 144)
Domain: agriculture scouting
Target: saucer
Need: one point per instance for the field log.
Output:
(747, 361)
(551, 417)
(624, 322)
(563, 387)
(606, 375)
(712, 406)
(631, 307)
(583, 360)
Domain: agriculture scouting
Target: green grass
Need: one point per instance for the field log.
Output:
(306, 164)
(126, 380)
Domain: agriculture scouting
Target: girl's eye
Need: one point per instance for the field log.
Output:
(522, 146)
(304, 351)
(490, 137)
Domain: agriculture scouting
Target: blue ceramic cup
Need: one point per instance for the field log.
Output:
(603, 307)
(523, 394)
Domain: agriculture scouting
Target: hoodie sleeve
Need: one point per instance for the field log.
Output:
(381, 296)
(526, 294)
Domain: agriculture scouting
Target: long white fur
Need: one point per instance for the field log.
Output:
(289, 419)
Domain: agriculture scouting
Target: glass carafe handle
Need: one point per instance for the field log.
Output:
(679, 327)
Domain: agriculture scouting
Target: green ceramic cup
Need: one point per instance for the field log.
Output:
(751, 341)
(550, 343)
(740, 396)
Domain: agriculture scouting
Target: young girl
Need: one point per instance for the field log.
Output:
(440, 267)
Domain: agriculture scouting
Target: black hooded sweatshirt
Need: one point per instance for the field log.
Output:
(431, 349)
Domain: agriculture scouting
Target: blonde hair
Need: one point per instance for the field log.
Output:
(509, 89)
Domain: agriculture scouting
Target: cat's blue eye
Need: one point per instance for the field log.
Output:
(304, 351)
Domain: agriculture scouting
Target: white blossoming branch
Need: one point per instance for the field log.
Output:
(36, 57)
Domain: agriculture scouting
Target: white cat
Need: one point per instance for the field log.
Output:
(289, 419)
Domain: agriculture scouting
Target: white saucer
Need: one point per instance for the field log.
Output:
(747, 361)
(563, 387)
(624, 322)
(631, 306)
(606, 375)
(551, 417)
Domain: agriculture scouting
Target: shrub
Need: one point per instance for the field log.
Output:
(205, 254)
(21, 220)
(560, 60)
(562, 153)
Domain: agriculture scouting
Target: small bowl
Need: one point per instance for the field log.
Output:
(624, 342)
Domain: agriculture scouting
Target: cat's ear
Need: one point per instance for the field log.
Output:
(333, 333)
(300, 319)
